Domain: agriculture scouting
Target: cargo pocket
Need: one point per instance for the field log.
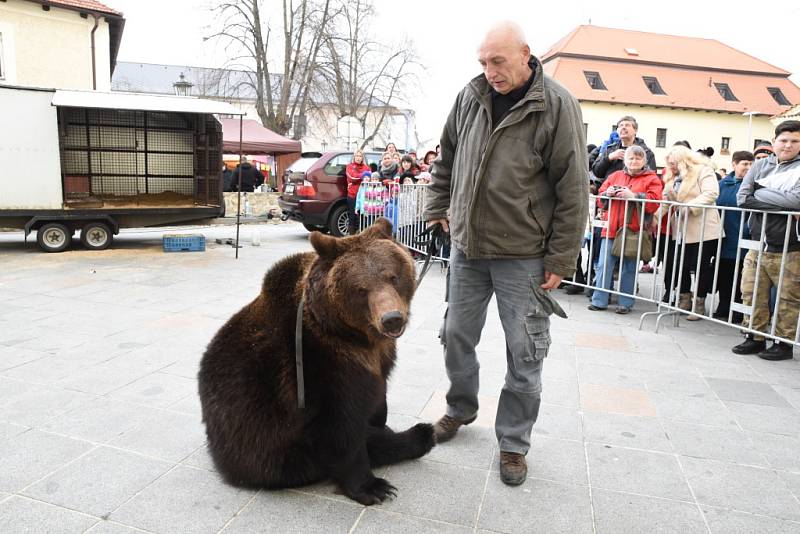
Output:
(537, 330)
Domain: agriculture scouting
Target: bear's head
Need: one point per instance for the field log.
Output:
(362, 283)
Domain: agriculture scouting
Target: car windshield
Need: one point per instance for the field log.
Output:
(302, 165)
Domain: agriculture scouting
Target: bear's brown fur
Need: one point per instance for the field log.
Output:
(357, 295)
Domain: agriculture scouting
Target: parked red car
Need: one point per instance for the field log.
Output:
(315, 190)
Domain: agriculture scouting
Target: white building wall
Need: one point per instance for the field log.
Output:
(701, 128)
(53, 48)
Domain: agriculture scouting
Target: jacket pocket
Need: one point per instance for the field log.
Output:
(536, 223)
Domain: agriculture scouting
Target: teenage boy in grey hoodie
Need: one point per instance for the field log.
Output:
(773, 184)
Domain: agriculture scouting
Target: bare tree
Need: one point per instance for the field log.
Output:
(360, 76)
(281, 95)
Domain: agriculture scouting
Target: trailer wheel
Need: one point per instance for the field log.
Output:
(54, 237)
(96, 236)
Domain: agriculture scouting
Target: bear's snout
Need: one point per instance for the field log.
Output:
(393, 323)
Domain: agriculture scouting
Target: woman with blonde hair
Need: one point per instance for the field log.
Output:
(689, 179)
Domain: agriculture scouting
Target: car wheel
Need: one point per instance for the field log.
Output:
(315, 228)
(54, 237)
(96, 236)
(339, 222)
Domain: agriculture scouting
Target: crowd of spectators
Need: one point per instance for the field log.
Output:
(696, 247)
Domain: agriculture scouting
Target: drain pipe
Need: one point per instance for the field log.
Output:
(94, 66)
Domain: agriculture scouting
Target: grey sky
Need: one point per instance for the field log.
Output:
(446, 34)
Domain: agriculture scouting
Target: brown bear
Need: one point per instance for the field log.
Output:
(357, 291)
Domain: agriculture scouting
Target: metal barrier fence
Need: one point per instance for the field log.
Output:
(679, 267)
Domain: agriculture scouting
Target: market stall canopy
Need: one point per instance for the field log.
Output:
(255, 139)
(135, 101)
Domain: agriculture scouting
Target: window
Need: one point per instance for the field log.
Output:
(725, 146)
(661, 137)
(757, 142)
(337, 164)
(725, 92)
(776, 93)
(594, 80)
(652, 83)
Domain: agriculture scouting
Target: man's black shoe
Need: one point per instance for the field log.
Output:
(573, 290)
(750, 346)
(777, 352)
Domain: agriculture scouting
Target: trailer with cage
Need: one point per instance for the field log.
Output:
(91, 163)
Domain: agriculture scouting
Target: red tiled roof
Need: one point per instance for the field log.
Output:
(684, 88)
(89, 5)
(686, 68)
(695, 52)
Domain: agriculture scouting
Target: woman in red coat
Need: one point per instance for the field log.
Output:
(354, 170)
(635, 181)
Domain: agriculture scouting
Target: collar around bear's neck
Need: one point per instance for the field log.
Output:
(298, 352)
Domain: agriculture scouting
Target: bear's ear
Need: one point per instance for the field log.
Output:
(380, 229)
(325, 245)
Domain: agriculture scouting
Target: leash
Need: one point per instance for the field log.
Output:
(298, 353)
(437, 239)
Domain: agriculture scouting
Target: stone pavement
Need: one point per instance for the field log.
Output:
(100, 425)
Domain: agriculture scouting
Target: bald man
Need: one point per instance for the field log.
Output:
(510, 186)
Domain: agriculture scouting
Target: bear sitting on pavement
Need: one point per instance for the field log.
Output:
(357, 292)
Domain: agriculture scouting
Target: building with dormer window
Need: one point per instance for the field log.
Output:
(700, 90)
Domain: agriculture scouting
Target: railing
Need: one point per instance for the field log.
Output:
(698, 263)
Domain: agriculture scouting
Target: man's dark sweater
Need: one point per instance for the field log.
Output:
(502, 103)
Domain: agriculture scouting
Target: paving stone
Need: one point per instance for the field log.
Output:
(558, 422)
(721, 521)
(724, 444)
(472, 447)
(746, 392)
(10, 430)
(111, 527)
(11, 357)
(779, 450)
(290, 512)
(186, 500)
(158, 390)
(792, 481)
(201, 459)
(374, 521)
(34, 454)
(740, 487)
(559, 369)
(625, 401)
(589, 373)
(536, 502)
(632, 471)
(690, 409)
(553, 459)
(41, 403)
(617, 513)
(561, 392)
(99, 481)
(99, 420)
(19, 515)
(626, 431)
(167, 435)
(436, 491)
(678, 384)
(791, 394)
(775, 420)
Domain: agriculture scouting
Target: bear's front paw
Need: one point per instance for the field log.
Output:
(375, 491)
(423, 438)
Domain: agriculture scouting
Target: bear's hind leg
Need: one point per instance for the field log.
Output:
(385, 446)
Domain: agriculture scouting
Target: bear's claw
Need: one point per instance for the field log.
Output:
(374, 492)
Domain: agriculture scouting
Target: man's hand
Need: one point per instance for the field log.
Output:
(617, 154)
(443, 222)
(551, 280)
